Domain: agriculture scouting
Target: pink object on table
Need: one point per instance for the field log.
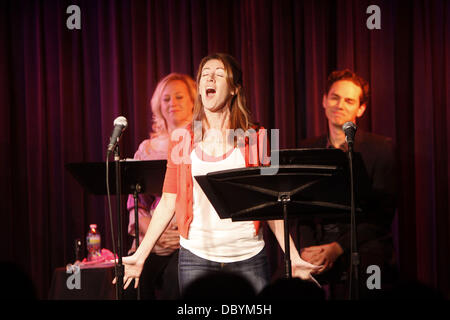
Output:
(106, 257)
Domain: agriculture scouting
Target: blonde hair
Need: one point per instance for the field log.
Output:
(239, 113)
(159, 123)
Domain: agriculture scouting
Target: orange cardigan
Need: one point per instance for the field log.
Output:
(179, 179)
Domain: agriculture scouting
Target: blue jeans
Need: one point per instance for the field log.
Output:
(254, 269)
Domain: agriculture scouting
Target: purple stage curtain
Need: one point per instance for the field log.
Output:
(61, 89)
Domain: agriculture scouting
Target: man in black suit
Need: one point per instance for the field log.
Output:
(328, 244)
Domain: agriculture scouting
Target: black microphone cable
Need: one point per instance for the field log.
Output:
(108, 193)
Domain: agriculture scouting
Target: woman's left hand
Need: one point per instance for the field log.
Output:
(303, 270)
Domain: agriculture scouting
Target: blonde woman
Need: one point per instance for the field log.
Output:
(172, 105)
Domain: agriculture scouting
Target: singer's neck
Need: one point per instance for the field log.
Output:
(336, 136)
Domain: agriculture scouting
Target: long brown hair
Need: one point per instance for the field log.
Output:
(239, 113)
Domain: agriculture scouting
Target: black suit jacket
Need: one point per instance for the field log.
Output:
(375, 187)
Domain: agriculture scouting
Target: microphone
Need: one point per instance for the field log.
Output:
(350, 131)
(120, 124)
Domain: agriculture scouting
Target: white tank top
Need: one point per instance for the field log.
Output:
(212, 238)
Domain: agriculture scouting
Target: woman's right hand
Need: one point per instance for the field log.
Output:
(160, 220)
(133, 270)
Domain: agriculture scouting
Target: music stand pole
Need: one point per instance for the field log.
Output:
(354, 263)
(136, 192)
(120, 266)
(287, 252)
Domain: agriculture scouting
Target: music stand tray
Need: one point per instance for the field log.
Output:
(148, 174)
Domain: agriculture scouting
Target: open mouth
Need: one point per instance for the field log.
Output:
(210, 92)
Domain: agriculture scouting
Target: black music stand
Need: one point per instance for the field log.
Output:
(92, 175)
(137, 177)
(311, 184)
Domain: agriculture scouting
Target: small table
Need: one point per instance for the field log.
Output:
(95, 283)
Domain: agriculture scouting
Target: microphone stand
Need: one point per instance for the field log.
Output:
(120, 267)
(137, 190)
(354, 255)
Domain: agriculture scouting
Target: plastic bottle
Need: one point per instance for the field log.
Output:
(93, 243)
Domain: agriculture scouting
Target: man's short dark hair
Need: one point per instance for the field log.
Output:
(349, 75)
